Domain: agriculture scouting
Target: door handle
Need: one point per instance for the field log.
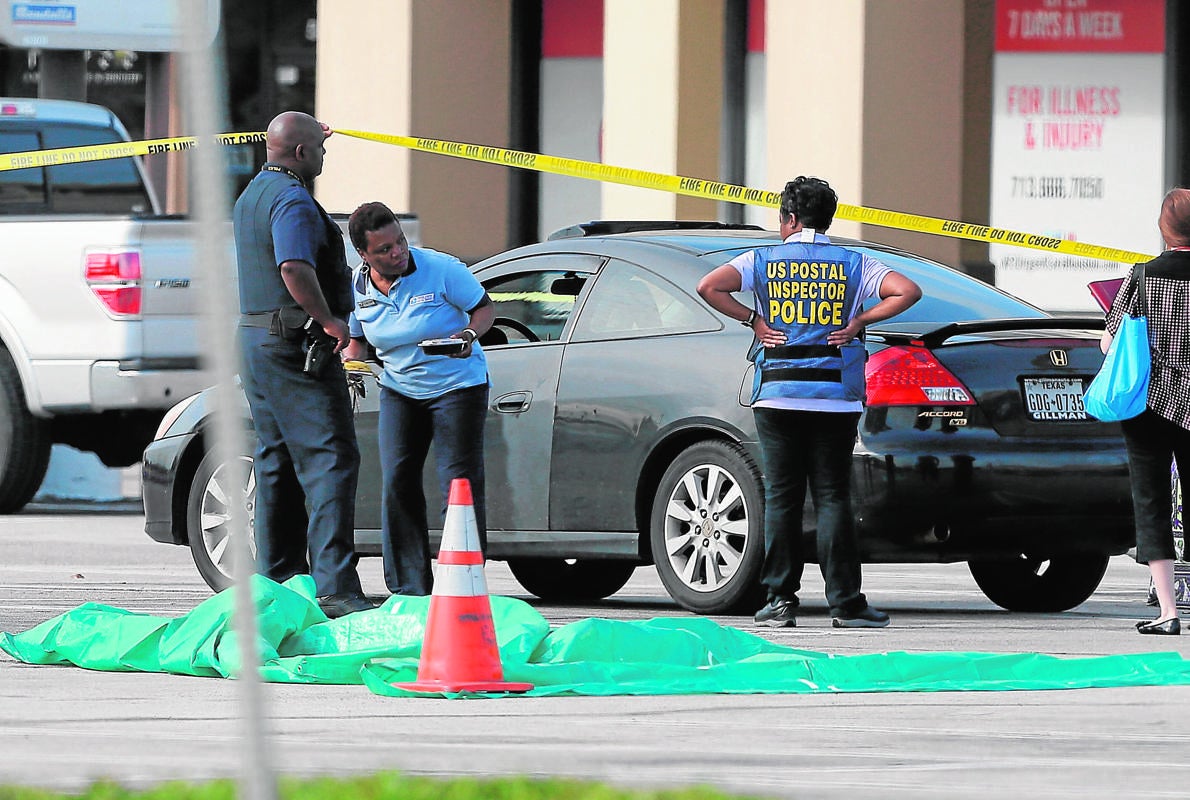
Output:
(513, 402)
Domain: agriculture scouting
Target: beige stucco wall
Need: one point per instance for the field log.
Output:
(912, 158)
(461, 93)
(662, 94)
(814, 92)
(700, 99)
(979, 29)
(364, 80)
(438, 70)
(887, 101)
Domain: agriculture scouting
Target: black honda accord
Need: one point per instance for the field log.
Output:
(618, 433)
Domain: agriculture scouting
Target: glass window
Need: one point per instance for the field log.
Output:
(628, 301)
(111, 186)
(948, 295)
(532, 306)
(22, 191)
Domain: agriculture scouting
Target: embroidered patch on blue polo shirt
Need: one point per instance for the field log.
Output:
(421, 298)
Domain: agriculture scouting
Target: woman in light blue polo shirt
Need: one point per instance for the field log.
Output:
(404, 295)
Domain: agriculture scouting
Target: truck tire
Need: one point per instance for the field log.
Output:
(24, 441)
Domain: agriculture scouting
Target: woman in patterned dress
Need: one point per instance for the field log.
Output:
(1162, 432)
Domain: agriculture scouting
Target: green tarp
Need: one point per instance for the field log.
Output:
(679, 655)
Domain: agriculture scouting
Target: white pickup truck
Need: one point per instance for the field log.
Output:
(98, 322)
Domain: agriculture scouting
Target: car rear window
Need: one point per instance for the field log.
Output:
(949, 295)
(22, 191)
(629, 301)
(110, 186)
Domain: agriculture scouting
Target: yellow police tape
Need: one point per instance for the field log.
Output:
(575, 168)
(99, 152)
(712, 190)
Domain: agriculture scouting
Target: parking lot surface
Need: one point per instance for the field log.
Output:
(65, 727)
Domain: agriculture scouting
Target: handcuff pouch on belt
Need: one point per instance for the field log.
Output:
(290, 323)
(295, 325)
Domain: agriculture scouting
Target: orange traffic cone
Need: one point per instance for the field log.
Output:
(459, 652)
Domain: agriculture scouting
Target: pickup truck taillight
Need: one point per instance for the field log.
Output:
(910, 375)
(114, 276)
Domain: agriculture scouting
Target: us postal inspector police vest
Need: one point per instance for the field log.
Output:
(806, 290)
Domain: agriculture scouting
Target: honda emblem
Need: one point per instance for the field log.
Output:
(1059, 358)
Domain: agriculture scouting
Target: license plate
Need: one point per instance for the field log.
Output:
(1054, 398)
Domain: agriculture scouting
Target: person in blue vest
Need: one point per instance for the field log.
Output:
(809, 391)
(404, 296)
(295, 294)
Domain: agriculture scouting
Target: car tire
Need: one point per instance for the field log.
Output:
(717, 571)
(562, 580)
(1033, 584)
(208, 518)
(24, 441)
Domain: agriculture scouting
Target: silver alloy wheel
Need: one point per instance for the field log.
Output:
(706, 527)
(215, 515)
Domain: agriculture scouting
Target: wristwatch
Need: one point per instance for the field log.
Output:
(747, 323)
(474, 335)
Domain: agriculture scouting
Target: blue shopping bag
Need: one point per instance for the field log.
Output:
(1121, 388)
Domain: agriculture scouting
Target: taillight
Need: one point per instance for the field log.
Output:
(114, 277)
(911, 376)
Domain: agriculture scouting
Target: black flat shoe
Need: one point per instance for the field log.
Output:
(1170, 627)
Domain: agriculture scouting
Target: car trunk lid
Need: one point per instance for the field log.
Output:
(1026, 376)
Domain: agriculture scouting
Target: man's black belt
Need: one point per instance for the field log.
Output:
(262, 320)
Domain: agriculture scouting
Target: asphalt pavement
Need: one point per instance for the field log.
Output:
(63, 728)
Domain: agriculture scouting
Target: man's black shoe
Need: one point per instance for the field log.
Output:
(866, 617)
(339, 605)
(777, 614)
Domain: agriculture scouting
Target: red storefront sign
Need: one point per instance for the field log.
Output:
(1080, 26)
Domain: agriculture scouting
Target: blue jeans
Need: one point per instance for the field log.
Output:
(1153, 443)
(454, 423)
(814, 447)
(306, 464)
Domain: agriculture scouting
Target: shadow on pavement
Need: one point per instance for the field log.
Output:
(81, 507)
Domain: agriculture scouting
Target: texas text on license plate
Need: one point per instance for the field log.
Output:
(1054, 398)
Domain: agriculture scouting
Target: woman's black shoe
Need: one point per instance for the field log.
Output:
(1169, 627)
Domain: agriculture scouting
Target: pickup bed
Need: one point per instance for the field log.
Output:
(98, 302)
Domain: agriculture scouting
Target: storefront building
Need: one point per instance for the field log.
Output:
(922, 106)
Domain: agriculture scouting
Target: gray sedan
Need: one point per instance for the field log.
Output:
(618, 433)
